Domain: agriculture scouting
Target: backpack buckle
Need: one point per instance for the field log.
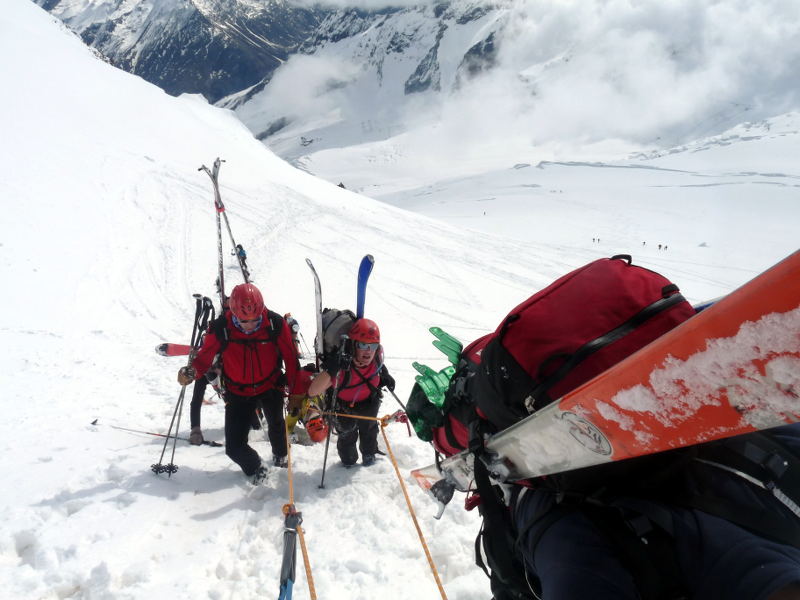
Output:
(496, 466)
(529, 403)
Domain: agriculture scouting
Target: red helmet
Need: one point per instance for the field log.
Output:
(246, 302)
(365, 330)
(317, 429)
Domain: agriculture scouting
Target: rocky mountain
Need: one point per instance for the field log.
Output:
(360, 70)
(210, 47)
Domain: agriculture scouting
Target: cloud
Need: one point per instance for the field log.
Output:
(651, 73)
(571, 72)
(304, 86)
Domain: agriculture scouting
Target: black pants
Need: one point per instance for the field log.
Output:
(239, 414)
(365, 432)
(197, 401)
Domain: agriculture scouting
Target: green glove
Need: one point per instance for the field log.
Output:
(424, 408)
(432, 383)
(447, 344)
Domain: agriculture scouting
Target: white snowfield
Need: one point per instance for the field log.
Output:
(108, 228)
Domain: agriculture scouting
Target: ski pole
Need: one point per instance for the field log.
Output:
(203, 307)
(305, 345)
(343, 361)
(164, 435)
(403, 406)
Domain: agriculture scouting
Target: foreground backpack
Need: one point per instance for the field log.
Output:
(559, 338)
(556, 340)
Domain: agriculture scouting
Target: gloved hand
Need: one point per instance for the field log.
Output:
(186, 375)
(295, 404)
(196, 436)
(331, 363)
(387, 380)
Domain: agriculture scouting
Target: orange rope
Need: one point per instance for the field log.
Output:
(384, 422)
(287, 508)
(306, 563)
(289, 462)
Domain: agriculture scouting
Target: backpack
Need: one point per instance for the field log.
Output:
(274, 323)
(335, 324)
(556, 340)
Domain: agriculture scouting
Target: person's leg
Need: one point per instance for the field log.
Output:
(710, 549)
(198, 393)
(346, 441)
(790, 592)
(272, 407)
(238, 416)
(569, 556)
(368, 430)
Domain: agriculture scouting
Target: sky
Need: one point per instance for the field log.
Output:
(109, 230)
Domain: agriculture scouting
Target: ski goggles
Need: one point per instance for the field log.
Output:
(367, 346)
(239, 322)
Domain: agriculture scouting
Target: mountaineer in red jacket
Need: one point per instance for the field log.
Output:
(254, 343)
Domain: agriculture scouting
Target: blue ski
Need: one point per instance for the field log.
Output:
(364, 271)
(708, 303)
(290, 525)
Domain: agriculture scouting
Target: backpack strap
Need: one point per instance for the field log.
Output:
(642, 534)
(508, 577)
(219, 328)
(346, 383)
(761, 459)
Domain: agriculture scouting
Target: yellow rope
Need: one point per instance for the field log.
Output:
(306, 563)
(287, 508)
(289, 462)
(384, 422)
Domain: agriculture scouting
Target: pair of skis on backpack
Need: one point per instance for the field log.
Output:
(732, 369)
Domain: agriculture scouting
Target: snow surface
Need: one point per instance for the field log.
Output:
(109, 229)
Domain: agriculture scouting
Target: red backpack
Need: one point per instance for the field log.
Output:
(559, 338)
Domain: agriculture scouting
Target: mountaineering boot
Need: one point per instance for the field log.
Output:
(280, 461)
(368, 460)
(196, 436)
(260, 475)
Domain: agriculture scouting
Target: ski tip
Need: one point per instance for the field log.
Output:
(94, 422)
(161, 349)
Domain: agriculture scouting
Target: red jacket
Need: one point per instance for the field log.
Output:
(251, 364)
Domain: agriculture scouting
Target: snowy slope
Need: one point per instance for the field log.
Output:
(109, 229)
